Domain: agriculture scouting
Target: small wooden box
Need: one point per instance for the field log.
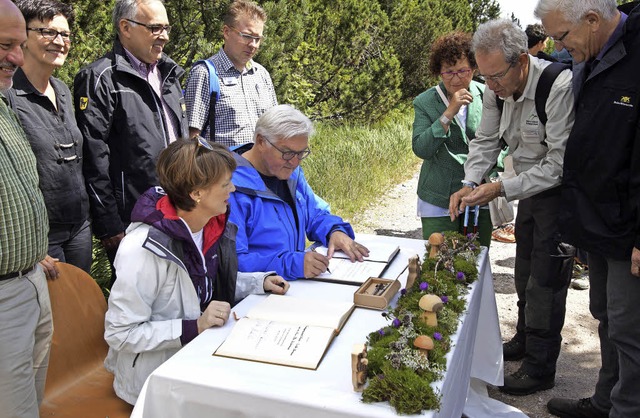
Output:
(376, 293)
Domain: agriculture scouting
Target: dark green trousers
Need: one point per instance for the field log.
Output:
(441, 224)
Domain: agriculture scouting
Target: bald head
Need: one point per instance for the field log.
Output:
(13, 34)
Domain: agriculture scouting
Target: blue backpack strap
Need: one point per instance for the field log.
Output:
(214, 91)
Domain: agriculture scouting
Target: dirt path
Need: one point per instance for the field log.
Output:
(395, 214)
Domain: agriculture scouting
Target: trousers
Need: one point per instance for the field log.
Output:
(542, 275)
(26, 328)
(613, 301)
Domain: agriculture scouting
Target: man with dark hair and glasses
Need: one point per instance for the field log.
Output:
(129, 107)
(274, 207)
(246, 89)
(543, 264)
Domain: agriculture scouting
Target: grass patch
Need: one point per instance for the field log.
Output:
(351, 166)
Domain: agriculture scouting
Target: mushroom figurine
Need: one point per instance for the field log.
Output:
(424, 343)
(431, 305)
(435, 241)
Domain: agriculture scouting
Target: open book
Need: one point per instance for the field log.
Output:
(342, 270)
(286, 330)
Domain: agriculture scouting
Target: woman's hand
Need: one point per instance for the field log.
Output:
(456, 101)
(275, 284)
(216, 315)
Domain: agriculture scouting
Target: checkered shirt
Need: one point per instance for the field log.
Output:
(244, 97)
(23, 216)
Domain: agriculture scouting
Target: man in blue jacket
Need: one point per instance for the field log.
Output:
(600, 208)
(274, 206)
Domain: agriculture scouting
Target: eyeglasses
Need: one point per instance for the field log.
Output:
(561, 38)
(448, 75)
(154, 29)
(203, 143)
(288, 155)
(247, 37)
(52, 34)
(497, 77)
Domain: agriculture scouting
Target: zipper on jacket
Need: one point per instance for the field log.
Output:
(135, 359)
(293, 228)
(124, 199)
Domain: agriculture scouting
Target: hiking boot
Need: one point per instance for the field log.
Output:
(580, 283)
(520, 383)
(574, 408)
(514, 349)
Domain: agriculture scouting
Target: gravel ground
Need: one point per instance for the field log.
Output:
(395, 215)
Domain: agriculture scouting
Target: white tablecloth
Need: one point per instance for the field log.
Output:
(194, 383)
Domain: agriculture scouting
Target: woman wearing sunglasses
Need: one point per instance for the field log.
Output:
(446, 118)
(45, 108)
(177, 270)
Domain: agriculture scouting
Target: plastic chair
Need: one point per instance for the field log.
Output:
(78, 386)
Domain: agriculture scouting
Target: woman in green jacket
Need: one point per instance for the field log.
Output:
(446, 118)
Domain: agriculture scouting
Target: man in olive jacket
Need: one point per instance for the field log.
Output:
(129, 107)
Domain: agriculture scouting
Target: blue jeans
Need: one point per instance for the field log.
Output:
(613, 300)
(71, 244)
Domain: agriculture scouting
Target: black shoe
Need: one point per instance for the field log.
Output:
(513, 349)
(572, 408)
(520, 383)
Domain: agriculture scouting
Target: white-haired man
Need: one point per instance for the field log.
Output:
(601, 188)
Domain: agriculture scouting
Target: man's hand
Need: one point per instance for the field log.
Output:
(341, 241)
(456, 204)
(49, 266)
(635, 262)
(113, 242)
(216, 314)
(314, 264)
(482, 194)
(275, 284)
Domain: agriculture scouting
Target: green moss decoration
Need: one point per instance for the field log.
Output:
(398, 372)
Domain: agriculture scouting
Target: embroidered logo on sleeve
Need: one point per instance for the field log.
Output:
(624, 101)
(84, 102)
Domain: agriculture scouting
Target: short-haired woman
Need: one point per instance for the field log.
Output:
(446, 118)
(176, 267)
(44, 107)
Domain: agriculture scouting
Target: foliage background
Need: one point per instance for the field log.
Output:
(352, 60)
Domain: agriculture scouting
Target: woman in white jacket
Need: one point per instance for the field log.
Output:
(176, 269)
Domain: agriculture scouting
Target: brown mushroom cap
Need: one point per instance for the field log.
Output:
(436, 238)
(431, 303)
(423, 342)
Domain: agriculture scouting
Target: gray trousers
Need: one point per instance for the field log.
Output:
(25, 339)
(614, 300)
(542, 275)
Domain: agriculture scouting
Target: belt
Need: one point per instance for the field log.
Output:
(16, 274)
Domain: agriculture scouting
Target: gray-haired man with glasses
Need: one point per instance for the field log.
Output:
(274, 207)
(246, 89)
(129, 107)
(600, 207)
(541, 275)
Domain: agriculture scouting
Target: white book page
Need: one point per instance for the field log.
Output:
(346, 271)
(378, 251)
(314, 312)
(276, 342)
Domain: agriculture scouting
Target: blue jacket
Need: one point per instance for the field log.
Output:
(267, 237)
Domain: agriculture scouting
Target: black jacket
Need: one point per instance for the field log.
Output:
(601, 179)
(122, 122)
(57, 145)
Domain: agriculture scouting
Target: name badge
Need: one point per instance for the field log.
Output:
(229, 81)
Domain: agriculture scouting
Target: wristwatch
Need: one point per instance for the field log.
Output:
(445, 120)
(467, 183)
